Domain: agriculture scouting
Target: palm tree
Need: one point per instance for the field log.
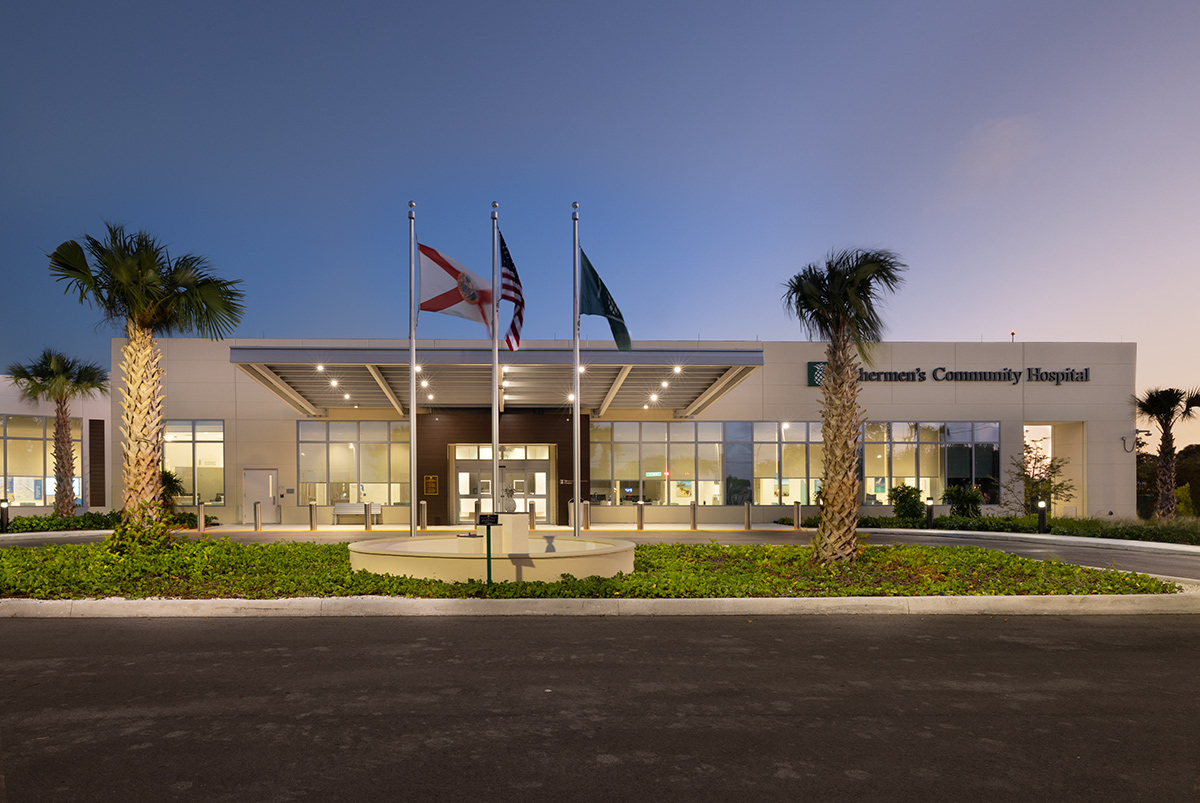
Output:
(132, 279)
(1165, 406)
(58, 378)
(839, 303)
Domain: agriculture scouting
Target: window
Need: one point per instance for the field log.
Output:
(355, 461)
(27, 459)
(194, 451)
(766, 462)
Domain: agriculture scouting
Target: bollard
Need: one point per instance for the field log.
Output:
(200, 518)
(929, 513)
(693, 514)
(795, 515)
(258, 517)
(748, 516)
(312, 516)
(587, 515)
(4, 515)
(533, 515)
(423, 518)
(367, 516)
(478, 510)
(641, 515)
(1041, 506)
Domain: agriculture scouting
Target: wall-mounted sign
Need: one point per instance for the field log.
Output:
(1009, 376)
(431, 485)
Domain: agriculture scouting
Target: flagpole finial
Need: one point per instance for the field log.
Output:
(495, 205)
(412, 204)
(575, 205)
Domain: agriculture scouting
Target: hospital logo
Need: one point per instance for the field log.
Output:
(816, 373)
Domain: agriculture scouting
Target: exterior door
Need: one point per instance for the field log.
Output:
(260, 485)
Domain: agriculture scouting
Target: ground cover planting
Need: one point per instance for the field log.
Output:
(211, 568)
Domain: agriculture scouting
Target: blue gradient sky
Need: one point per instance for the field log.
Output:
(1035, 163)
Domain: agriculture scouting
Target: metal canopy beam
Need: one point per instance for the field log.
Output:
(612, 391)
(268, 379)
(717, 389)
(387, 389)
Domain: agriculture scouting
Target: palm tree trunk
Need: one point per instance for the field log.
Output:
(841, 419)
(64, 460)
(141, 420)
(1166, 507)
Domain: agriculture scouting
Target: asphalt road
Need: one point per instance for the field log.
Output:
(603, 709)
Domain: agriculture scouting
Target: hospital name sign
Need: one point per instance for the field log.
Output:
(1011, 376)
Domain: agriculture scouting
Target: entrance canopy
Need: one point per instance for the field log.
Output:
(681, 380)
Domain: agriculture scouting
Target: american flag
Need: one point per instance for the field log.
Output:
(510, 290)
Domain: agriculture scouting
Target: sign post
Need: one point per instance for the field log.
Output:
(489, 520)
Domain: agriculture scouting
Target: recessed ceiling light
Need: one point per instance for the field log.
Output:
(320, 367)
(678, 368)
(333, 383)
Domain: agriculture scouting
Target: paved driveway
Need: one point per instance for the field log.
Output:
(690, 709)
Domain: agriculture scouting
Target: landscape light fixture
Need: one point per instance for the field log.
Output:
(929, 513)
(4, 515)
(1041, 506)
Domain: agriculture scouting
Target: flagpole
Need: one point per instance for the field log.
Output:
(412, 369)
(575, 379)
(495, 358)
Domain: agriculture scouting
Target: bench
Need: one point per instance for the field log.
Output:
(356, 509)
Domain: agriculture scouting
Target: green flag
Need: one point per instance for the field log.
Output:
(594, 299)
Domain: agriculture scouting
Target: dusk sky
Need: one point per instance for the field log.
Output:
(1036, 163)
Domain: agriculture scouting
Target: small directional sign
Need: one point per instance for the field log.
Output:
(489, 518)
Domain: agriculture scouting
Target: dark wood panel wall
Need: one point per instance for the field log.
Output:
(436, 431)
(96, 463)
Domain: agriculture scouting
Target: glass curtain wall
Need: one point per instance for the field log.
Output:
(352, 461)
(194, 452)
(27, 459)
(768, 463)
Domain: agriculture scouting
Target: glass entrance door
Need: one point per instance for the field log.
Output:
(524, 482)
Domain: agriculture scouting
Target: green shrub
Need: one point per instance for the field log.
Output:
(965, 501)
(54, 522)
(1184, 504)
(906, 502)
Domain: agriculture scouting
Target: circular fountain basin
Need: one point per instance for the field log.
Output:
(460, 558)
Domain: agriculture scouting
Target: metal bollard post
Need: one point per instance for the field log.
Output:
(533, 515)
(423, 518)
(367, 516)
(200, 518)
(748, 516)
(312, 516)
(693, 506)
(478, 510)
(641, 515)
(795, 515)
(258, 517)
(587, 515)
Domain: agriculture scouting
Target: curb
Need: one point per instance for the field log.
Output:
(1075, 605)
